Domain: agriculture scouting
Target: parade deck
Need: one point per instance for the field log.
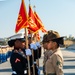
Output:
(69, 64)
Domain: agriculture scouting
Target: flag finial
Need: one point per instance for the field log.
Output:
(29, 2)
(34, 7)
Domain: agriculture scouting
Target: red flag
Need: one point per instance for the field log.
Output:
(34, 23)
(22, 18)
(38, 20)
(44, 30)
(41, 24)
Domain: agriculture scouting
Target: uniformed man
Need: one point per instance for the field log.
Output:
(39, 48)
(54, 64)
(33, 47)
(18, 58)
(39, 51)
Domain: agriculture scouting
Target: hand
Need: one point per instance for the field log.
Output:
(33, 46)
(38, 44)
(28, 52)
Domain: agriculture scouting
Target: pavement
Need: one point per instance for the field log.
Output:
(68, 68)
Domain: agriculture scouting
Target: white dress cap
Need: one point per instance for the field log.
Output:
(17, 36)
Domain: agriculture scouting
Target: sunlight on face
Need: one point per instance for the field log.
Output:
(18, 44)
(50, 45)
(23, 44)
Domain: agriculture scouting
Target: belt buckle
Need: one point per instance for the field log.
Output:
(25, 71)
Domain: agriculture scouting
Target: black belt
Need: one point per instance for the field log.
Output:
(51, 74)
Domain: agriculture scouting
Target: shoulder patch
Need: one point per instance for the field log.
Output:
(58, 63)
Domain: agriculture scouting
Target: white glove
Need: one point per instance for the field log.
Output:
(28, 52)
(33, 46)
(34, 62)
(38, 44)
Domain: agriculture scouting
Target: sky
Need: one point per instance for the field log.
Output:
(58, 15)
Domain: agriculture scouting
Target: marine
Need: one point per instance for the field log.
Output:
(54, 64)
(18, 58)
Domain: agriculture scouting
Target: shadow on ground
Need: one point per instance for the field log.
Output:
(6, 70)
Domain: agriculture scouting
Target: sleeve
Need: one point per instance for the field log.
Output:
(58, 64)
(16, 62)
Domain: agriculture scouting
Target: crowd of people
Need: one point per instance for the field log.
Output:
(24, 60)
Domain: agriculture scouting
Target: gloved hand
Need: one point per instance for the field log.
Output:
(33, 46)
(28, 52)
(35, 62)
(38, 44)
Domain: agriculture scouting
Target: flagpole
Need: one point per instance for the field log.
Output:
(29, 72)
(32, 51)
(38, 50)
(26, 37)
(34, 7)
(36, 41)
(29, 2)
(33, 57)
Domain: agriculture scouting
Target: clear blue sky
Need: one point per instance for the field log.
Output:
(56, 15)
